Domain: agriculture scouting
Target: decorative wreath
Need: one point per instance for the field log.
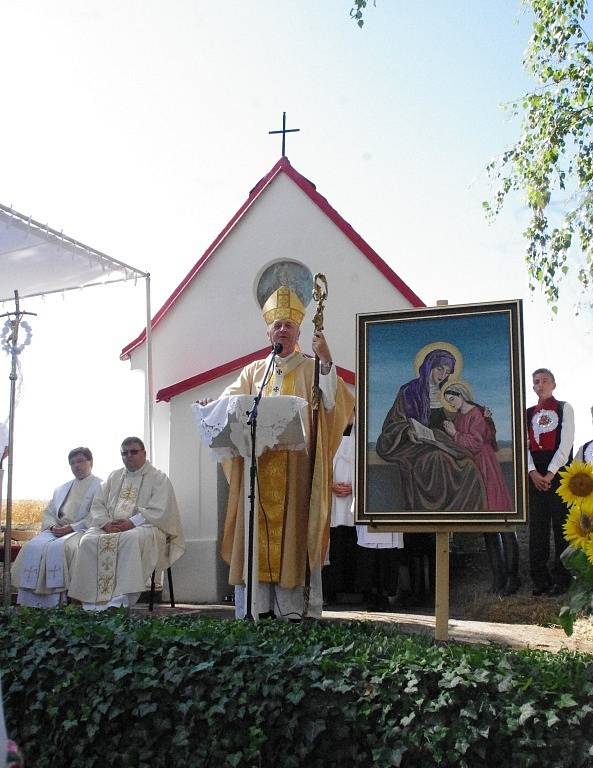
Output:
(5, 337)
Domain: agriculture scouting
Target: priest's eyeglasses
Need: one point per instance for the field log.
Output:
(132, 451)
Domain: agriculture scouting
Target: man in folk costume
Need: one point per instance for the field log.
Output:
(294, 507)
(43, 566)
(134, 528)
(551, 433)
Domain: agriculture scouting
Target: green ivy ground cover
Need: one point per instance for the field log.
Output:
(114, 690)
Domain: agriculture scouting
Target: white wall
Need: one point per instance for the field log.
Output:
(218, 318)
(199, 575)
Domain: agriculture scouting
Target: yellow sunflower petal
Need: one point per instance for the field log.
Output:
(576, 483)
(589, 550)
(578, 528)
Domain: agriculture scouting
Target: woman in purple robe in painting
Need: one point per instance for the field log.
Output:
(430, 473)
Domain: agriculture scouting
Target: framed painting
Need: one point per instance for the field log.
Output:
(441, 416)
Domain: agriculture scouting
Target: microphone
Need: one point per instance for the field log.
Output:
(252, 414)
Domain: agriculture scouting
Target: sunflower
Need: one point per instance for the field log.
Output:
(589, 550)
(586, 505)
(578, 528)
(576, 484)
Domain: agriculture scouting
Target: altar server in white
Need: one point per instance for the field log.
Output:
(44, 564)
(134, 528)
(339, 573)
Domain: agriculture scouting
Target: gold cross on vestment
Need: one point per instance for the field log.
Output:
(129, 494)
(107, 543)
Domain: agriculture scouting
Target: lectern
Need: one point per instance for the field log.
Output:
(224, 426)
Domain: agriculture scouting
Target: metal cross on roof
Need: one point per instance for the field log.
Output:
(284, 131)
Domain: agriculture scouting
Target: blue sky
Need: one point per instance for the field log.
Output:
(139, 127)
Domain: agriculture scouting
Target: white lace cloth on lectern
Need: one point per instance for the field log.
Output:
(223, 426)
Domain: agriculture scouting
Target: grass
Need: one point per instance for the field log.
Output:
(521, 608)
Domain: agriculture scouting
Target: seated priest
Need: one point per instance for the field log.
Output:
(294, 506)
(134, 528)
(43, 566)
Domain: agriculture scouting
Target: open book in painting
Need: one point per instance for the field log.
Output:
(425, 433)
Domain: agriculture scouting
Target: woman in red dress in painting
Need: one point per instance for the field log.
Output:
(472, 430)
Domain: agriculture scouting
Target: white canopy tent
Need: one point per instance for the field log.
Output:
(36, 260)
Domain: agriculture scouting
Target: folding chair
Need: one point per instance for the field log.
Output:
(152, 590)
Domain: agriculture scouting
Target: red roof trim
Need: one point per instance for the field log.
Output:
(348, 376)
(166, 394)
(282, 166)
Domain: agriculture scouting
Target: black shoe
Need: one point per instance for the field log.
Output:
(557, 589)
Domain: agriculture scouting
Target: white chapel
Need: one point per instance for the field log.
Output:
(211, 326)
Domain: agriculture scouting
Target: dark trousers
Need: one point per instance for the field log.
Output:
(378, 569)
(502, 550)
(340, 575)
(546, 510)
(417, 546)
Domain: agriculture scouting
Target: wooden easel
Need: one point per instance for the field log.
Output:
(443, 533)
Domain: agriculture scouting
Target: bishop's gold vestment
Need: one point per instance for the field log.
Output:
(297, 511)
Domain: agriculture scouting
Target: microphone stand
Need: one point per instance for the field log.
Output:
(252, 421)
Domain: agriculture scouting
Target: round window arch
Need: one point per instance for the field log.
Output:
(287, 272)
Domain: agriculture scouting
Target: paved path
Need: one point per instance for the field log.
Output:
(512, 635)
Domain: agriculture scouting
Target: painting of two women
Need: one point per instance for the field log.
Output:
(434, 449)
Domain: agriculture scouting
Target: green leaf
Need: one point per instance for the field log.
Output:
(295, 696)
(566, 701)
(527, 711)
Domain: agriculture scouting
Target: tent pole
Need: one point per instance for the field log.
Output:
(12, 346)
(1, 485)
(149, 376)
(8, 520)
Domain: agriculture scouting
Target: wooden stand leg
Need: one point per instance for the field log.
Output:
(442, 587)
